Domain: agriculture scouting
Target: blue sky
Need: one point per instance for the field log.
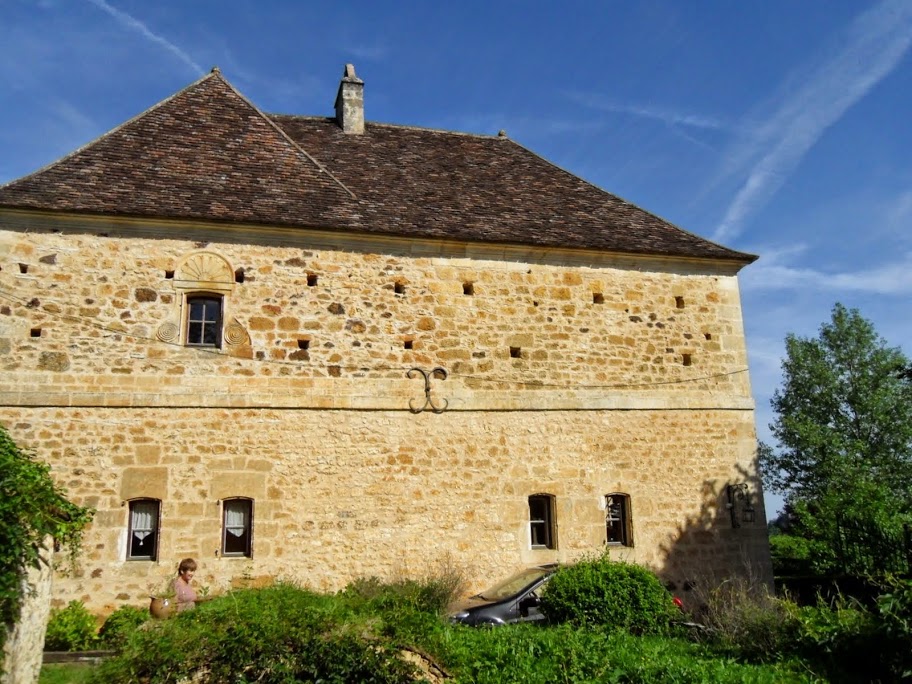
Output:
(776, 127)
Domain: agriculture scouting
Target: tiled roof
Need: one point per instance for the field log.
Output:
(207, 153)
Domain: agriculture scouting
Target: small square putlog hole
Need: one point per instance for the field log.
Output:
(515, 352)
(169, 275)
(35, 332)
(686, 359)
(23, 268)
(311, 280)
(399, 288)
(679, 302)
(408, 344)
(304, 344)
(598, 298)
(707, 336)
(239, 275)
(468, 288)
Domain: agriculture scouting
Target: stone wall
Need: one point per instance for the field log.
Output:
(572, 374)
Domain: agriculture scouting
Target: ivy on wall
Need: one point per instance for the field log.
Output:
(32, 507)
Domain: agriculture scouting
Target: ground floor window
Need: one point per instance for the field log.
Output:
(541, 521)
(142, 535)
(617, 519)
(237, 527)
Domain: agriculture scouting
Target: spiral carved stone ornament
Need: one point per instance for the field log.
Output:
(235, 334)
(168, 332)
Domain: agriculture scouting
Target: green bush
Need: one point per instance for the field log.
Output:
(71, 629)
(120, 625)
(277, 634)
(894, 626)
(599, 591)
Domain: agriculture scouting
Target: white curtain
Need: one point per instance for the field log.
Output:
(237, 517)
(143, 516)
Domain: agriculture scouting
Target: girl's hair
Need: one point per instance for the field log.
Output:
(185, 565)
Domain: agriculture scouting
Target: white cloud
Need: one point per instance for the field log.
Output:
(810, 103)
(665, 116)
(774, 273)
(133, 24)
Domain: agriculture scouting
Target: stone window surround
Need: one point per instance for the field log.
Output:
(202, 273)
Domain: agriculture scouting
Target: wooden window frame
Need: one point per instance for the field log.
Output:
(205, 297)
(247, 551)
(618, 527)
(542, 522)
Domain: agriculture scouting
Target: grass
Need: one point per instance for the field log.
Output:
(69, 673)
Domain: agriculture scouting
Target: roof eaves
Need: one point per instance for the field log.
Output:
(742, 257)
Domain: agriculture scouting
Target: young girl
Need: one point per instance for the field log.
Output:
(184, 595)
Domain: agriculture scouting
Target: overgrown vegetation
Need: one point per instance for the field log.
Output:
(372, 631)
(32, 508)
(286, 633)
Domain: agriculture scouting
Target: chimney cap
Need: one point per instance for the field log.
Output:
(349, 76)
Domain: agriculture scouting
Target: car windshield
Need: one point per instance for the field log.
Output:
(513, 585)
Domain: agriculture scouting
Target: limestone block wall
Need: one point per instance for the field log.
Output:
(571, 374)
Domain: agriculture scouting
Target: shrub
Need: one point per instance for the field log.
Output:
(894, 610)
(276, 634)
(744, 617)
(599, 591)
(71, 629)
(120, 625)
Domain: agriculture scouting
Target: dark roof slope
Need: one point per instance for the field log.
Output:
(208, 153)
(204, 153)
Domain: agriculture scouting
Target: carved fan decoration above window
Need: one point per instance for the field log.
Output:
(204, 269)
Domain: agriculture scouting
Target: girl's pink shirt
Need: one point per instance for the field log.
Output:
(184, 595)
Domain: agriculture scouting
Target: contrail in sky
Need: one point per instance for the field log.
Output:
(874, 44)
(135, 25)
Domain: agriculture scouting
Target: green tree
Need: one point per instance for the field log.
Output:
(844, 431)
(32, 507)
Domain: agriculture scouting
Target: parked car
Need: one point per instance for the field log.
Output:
(516, 599)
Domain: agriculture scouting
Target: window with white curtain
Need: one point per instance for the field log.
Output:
(142, 541)
(237, 527)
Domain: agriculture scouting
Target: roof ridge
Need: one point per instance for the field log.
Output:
(213, 73)
(423, 129)
(750, 258)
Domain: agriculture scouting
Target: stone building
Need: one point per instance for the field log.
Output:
(322, 348)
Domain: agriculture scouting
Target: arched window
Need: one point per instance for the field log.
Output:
(541, 521)
(204, 320)
(237, 527)
(617, 520)
(143, 529)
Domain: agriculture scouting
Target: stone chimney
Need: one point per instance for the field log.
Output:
(350, 102)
